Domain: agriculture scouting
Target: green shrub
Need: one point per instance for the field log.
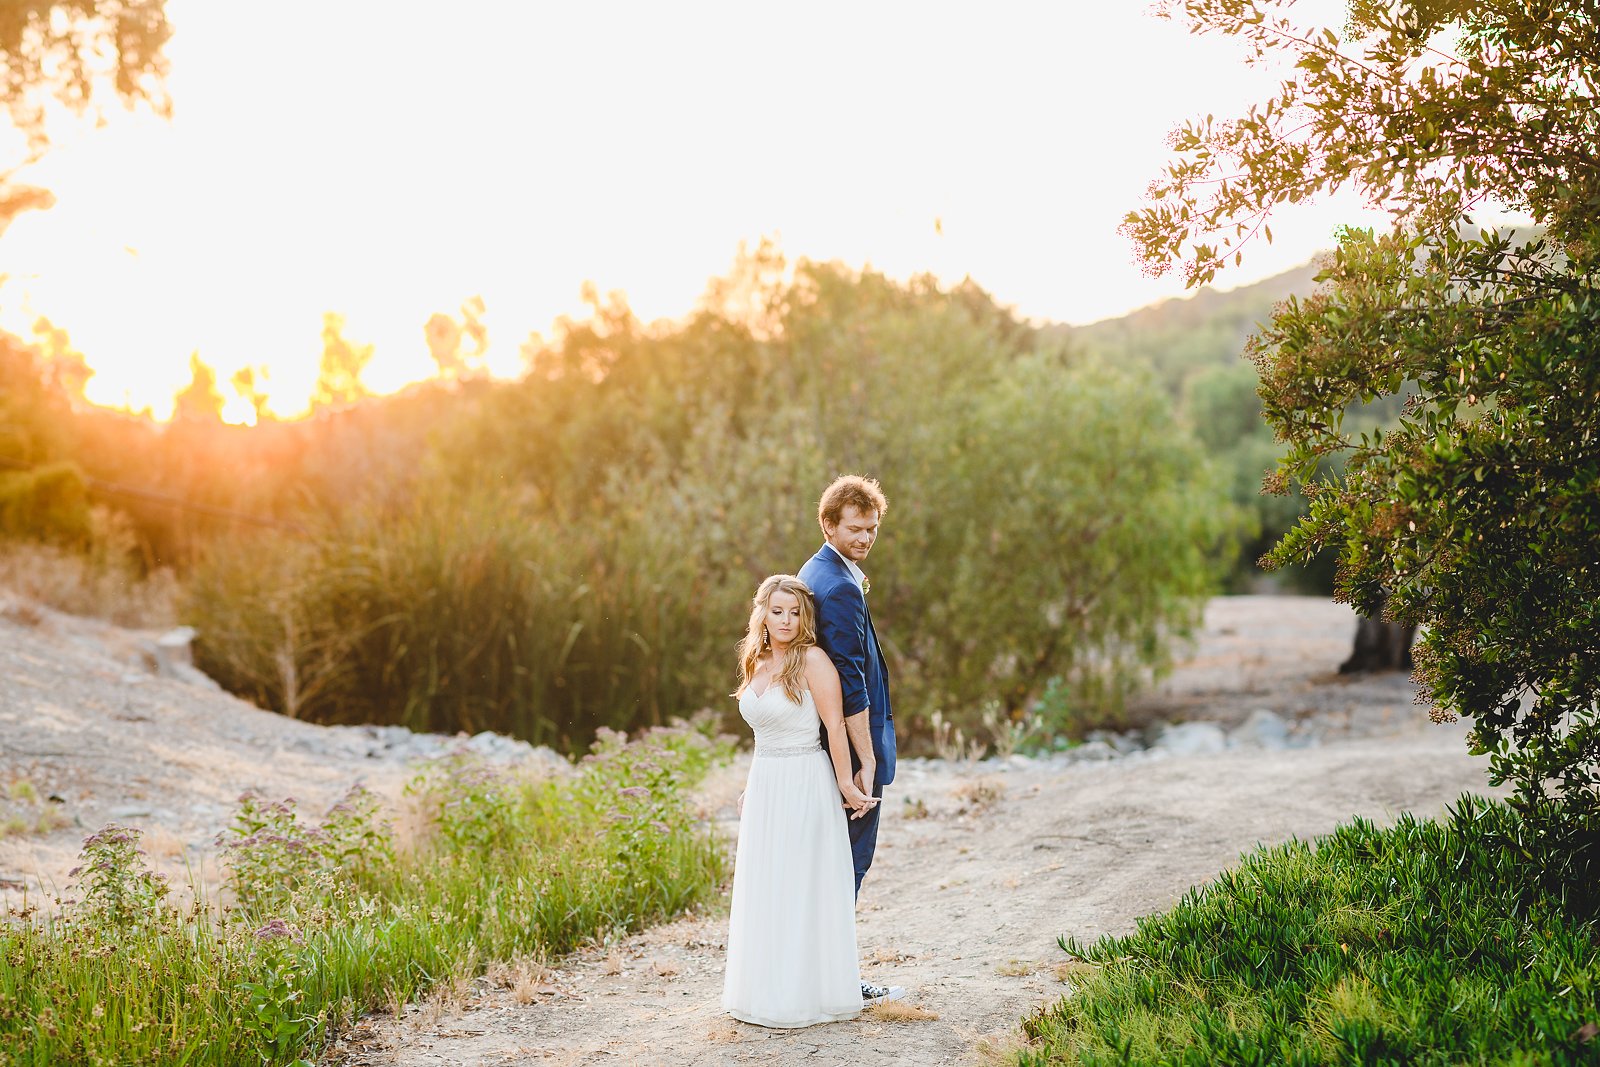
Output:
(1425, 943)
(331, 921)
(49, 503)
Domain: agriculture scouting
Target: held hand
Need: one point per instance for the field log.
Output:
(858, 802)
(865, 776)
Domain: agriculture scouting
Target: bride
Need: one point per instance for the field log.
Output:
(792, 935)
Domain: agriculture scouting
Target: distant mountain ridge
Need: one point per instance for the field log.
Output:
(1181, 335)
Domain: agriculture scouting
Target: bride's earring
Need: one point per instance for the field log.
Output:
(766, 638)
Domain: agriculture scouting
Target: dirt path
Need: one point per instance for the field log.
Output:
(963, 905)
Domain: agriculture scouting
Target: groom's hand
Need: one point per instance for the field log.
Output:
(863, 782)
(865, 776)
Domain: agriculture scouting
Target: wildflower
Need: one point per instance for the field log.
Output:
(275, 929)
(634, 791)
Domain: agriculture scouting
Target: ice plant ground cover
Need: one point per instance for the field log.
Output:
(331, 918)
(1424, 943)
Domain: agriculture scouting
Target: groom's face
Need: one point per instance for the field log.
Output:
(854, 533)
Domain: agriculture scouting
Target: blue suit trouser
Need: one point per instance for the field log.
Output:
(864, 836)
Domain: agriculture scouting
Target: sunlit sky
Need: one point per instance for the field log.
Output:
(387, 161)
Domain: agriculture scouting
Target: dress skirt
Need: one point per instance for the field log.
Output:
(792, 931)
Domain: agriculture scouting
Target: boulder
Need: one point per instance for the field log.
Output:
(1262, 729)
(1190, 738)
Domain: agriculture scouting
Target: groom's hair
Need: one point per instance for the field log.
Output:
(852, 491)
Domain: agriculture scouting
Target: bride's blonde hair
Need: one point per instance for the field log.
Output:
(755, 638)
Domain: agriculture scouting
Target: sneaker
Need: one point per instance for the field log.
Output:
(877, 994)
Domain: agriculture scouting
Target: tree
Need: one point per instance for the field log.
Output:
(64, 366)
(1477, 513)
(444, 336)
(68, 49)
(63, 48)
(250, 385)
(198, 401)
(339, 374)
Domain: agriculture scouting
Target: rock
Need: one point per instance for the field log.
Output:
(175, 650)
(1262, 729)
(1092, 752)
(1124, 743)
(1127, 742)
(141, 811)
(1190, 738)
(1307, 734)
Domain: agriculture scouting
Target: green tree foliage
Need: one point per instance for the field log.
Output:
(1192, 349)
(1478, 513)
(579, 548)
(47, 503)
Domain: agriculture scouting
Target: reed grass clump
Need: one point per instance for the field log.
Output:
(1425, 943)
(329, 918)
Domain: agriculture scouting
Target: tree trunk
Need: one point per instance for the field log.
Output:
(1380, 646)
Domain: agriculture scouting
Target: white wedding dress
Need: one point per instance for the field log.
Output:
(792, 932)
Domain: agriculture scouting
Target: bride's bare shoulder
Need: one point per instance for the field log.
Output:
(818, 661)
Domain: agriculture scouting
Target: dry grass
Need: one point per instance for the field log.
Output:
(527, 978)
(1068, 970)
(998, 1050)
(899, 1011)
(162, 843)
(723, 1032)
(915, 808)
(979, 794)
(1018, 968)
(101, 584)
(613, 964)
(449, 997)
(21, 612)
(664, 968)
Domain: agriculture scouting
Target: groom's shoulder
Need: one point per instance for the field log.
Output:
(816, 569)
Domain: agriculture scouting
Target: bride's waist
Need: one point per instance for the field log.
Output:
(787, 748)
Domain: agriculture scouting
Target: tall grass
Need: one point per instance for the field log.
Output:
(453, 612)
(1425, 943)
(330, 919)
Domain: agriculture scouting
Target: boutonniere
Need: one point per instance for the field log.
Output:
(866, 585)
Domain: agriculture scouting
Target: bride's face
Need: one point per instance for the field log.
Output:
(783, 617)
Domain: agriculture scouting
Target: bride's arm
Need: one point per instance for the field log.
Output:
(823, 680)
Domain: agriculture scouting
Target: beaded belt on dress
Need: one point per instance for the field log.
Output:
(788, 750)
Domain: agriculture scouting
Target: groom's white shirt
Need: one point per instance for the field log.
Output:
(856, 574)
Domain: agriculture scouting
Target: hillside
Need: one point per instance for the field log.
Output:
(1179, 336)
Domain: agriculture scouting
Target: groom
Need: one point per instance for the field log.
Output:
(849, 513)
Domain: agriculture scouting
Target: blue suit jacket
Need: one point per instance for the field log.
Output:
(845, 633)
